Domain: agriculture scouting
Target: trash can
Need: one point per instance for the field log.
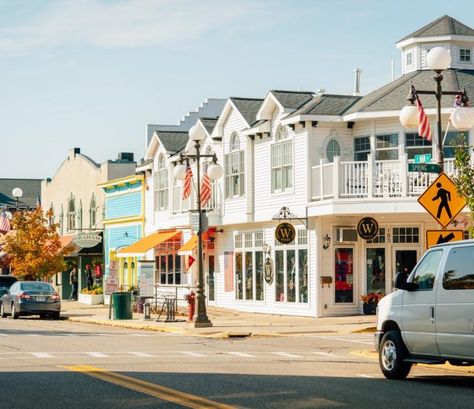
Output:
(122, 305)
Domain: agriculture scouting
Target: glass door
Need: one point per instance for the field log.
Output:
(405, 260)
(375, 270)
(211, 278)
(344, 275)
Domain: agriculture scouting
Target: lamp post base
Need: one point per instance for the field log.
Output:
(202, 324)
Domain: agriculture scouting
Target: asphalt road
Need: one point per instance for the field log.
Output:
(59, 364)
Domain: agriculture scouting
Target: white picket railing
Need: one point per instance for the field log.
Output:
(370, 179)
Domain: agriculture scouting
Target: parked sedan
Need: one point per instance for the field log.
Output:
(31, 298)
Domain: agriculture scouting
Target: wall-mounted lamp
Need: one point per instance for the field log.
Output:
(132, 265)
(326, 241)
(267, 249)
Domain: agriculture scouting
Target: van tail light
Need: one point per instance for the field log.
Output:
(55, 297)
(24, 296)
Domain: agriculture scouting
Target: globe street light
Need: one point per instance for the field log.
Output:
(17, 193)
(214, 171)
(439, 59)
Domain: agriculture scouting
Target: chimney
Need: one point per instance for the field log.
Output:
(126, 156)
(73, 152)
(357, 72)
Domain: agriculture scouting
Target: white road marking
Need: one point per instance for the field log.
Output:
(98, 355)
(324, 354)
(241, 354)
(41, 355)
(287, 355)
(362, 375)
(3, 335)
(140, 335)
(195, 354)
(355, 341)
(142, 354)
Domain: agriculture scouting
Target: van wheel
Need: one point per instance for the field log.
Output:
(392, 352)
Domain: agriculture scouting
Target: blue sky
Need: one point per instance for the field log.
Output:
(93, 73)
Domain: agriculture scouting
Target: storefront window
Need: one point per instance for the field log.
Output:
(280, 276)
(375, 270)
(248, 276)
(344, 274)
(259, 275)
(238, 276)
(303, 274)
(169, 268)
(290, 276)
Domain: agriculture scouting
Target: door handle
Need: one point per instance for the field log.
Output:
(432, 310)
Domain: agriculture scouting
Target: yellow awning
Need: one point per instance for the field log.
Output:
(188, 247)
(143, 245)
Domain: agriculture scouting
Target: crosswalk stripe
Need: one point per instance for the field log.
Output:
(242, 354)
(287, 354)
(142, 354)
(98, 354)
(324, 353)
(195, 354)
(41, 355)
(3, 335)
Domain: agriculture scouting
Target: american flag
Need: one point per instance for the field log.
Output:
(4, 223)
(187, 182)
(424, 128)
(205, 187)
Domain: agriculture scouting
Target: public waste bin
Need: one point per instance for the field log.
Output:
(122, 305)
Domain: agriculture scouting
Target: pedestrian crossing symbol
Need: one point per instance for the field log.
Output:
(442, 200)
(434, 237)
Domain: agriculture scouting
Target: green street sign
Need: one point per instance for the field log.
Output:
(424, 158)
(423, 167)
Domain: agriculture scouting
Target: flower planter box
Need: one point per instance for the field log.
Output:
(369, 309)
(91, 299)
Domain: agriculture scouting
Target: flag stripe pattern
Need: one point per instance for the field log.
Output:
(424, 128)
(205, 187)
(4, 223)
(187, 182)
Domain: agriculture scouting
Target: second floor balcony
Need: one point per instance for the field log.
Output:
(371, 179)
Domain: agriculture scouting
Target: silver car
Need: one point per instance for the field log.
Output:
(31, 298)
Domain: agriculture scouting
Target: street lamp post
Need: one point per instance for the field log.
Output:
(215, 172)
(438, 59)
(17, 193)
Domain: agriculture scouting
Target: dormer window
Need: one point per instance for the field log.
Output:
(161, 185)
(465, 55)
(409, 60)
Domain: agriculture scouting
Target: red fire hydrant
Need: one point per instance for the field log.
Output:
(191, 299)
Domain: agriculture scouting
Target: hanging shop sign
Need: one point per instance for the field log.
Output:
(87, 240)
(368, 228)
(285, 233)
(268, 271)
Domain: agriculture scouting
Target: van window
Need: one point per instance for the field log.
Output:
(459, 271)
(425, 273)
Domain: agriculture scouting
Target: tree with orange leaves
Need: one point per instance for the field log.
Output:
(34, 246)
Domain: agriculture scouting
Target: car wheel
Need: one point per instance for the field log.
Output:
(2, 312)
(392, 353)
(42, 316)
(55, 315)
(14, 313)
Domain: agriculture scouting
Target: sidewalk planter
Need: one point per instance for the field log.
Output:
(91, 299)
(369, 309)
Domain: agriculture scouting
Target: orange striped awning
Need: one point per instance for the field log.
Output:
(147, 243)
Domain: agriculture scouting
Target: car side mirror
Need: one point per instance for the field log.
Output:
(401, 281)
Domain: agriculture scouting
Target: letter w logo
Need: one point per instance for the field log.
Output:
(367, 228)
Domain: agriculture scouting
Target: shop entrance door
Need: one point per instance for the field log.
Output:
(405, 260)
(344, 275)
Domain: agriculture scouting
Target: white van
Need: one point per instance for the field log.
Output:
(430, 318)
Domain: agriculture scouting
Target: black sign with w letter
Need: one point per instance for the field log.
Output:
(368, 228)
(285, 233)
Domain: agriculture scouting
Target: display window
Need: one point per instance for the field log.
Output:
(344, 275)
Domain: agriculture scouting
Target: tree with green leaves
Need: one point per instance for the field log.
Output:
(464, 178)
(34, 246)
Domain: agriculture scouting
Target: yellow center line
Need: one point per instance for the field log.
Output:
(161, 392)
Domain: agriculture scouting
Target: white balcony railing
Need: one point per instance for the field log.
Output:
(370, 179)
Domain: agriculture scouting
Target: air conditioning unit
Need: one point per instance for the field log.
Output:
(346, 234)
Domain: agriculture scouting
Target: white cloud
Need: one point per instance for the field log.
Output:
(122, 23)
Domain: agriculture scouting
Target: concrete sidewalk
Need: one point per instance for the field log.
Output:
(226, 323)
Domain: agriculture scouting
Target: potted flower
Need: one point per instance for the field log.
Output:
(92, 297)
(370, 301)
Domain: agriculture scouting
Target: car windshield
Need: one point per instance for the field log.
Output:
(36, 287)
(7, 282)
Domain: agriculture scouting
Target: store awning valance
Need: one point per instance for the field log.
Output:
(141, 246)
(188, 247)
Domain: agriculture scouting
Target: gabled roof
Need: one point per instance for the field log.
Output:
(393, 96)
(248, 107)
(31, 192)
(444, 25)
(292, 99)
(209, 124)
(173, 142)
(327, 104)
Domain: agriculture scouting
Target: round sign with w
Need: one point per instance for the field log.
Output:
(285, 233)
(368, 228)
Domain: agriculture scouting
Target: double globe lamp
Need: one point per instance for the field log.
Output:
(214, 171)
(462, 118)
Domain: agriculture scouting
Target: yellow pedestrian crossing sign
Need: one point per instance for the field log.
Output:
(442, 201)
(434, 237)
